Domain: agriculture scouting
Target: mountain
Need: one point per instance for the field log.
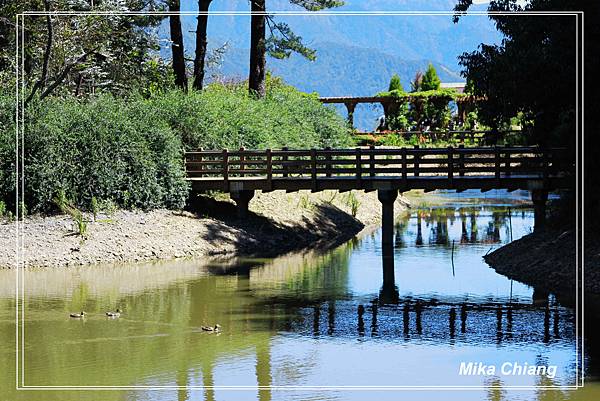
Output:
(356, 54)
(339, 70)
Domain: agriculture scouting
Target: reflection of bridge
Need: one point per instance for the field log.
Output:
(383, 169)
(432, 319)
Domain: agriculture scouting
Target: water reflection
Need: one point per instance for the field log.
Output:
(348, 317)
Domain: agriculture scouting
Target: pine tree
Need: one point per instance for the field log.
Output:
(431, 81)
(395, 84)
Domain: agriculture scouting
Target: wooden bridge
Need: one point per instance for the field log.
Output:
(387, 170)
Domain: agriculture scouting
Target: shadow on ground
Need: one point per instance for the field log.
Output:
(261, 236)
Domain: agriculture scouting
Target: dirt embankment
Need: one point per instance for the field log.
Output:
(547, 261)
(278, 223)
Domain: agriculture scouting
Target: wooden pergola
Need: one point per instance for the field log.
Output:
(464, 103)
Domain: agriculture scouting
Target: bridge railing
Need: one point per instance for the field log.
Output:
(373, 163)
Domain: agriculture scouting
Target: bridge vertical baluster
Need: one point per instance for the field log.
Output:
(450, 165)
(284, 161)
(545, 165)
(328, 161)
(507, 161)
(358, 166)
(416, 158)
(497, 164)
(372, 158)
(313, 168)
(225, 167)
(242, 160)
(404, 167)
(200, 165)
(461, 160)
(269, 170)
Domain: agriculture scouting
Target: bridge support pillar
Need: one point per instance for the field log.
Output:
(539, 198)
(387, 197)
(242, 199)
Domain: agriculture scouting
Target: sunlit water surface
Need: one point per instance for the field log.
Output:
(319, 320)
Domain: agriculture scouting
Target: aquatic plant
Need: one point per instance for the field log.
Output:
(353, 203)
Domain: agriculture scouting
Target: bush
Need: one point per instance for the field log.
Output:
(7, 150)
(227, 117)
(130, 151)
(104, 149)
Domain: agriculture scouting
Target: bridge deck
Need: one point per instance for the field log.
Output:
(376, 168)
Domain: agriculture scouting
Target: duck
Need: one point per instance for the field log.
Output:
(116, 313)
(215, 329)
(78, 315)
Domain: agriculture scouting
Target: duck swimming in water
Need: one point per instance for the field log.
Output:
(116, 313)
(215, 329)
(78, 315)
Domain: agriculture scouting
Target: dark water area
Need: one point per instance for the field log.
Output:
(314, 326)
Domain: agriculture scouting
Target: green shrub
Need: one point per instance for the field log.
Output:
(102, 148)
(227, 117)
(129, 151)
(7, 150)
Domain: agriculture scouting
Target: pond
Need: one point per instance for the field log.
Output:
(320, 320)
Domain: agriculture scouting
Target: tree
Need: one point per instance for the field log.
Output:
(395, 84)
(415, 85)
(430, 80)
(79, 54)
(531, 72)
(177, 49)
(281, 43)
(256, 78)
(201, 43)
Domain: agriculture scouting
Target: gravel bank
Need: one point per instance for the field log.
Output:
(278, 223)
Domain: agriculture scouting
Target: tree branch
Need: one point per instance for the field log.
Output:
(41, 83)
(59, 78)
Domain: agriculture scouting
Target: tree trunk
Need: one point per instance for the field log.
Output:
(256, 80)
(177, 45)
(201, 43)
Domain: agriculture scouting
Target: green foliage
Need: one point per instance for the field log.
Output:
(418, 110)
(430, 80)
(225, 116)
(106, 148)
(89, 53)
(67, 207)
(95, 207)
(305, 202)
(283, 41)
(129, 151)
(395, 84)
(2, 208)
(23, 211)
(7, 149)
(532, 71)
(353, 203)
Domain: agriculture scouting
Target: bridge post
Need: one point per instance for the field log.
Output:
(387, 197)
(350, 106)
(242, 199)
(539, 198)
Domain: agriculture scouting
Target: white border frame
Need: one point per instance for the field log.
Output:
(20, 250)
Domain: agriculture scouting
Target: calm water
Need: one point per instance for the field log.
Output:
(304, 320)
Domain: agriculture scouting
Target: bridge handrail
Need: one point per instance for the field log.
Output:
(364, 163)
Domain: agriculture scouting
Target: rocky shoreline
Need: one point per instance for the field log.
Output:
(278, 223)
